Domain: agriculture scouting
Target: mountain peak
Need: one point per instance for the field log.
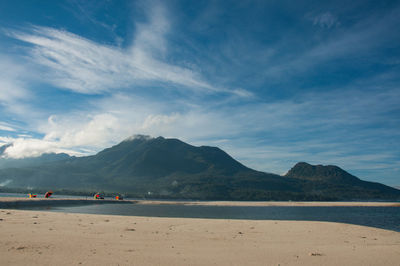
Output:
(303, 170)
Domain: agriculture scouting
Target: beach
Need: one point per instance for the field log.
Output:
(50, 238)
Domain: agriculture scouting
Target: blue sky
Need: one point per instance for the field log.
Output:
(270, 82)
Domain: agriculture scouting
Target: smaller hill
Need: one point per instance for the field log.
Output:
(30, 161)
(328, 173)
(336, 182)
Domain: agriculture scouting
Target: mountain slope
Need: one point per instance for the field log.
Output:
(162, 157)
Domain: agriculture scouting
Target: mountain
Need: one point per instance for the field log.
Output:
(155, 166)
(30, 161)
(329, 173)
(336, 182)
(160, 167)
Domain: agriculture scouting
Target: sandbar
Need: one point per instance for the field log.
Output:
(49, 238)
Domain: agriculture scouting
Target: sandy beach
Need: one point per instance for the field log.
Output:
(48, 238)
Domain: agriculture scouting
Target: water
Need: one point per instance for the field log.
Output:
(379, 217)
(15, 195)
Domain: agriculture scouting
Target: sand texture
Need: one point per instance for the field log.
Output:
(48, 238)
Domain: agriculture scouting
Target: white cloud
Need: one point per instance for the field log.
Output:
(159, 120)
(94, 131)
(13, 92)
(22, 148)
(325, 20)
(151, 37)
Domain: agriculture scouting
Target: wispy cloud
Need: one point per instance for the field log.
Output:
(6, 127)
(12, 87)
(354, 42)
(81, 65)
(326, 20)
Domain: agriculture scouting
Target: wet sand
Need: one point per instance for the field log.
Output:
(48, 238)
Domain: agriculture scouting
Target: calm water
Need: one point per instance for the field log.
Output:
(380, 217)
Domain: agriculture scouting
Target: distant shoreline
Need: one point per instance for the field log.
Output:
(16, 202)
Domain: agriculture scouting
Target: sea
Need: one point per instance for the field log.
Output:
(378, 217)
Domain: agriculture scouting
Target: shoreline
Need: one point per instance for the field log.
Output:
(16, 203)
(44, 238)
(272, 203)
(19, 202)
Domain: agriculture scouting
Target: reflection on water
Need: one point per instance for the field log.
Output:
(380, 217)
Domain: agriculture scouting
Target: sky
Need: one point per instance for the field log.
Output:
(270, 82)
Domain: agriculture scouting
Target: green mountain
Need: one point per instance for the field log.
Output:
(169, 168)
(336, 182)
